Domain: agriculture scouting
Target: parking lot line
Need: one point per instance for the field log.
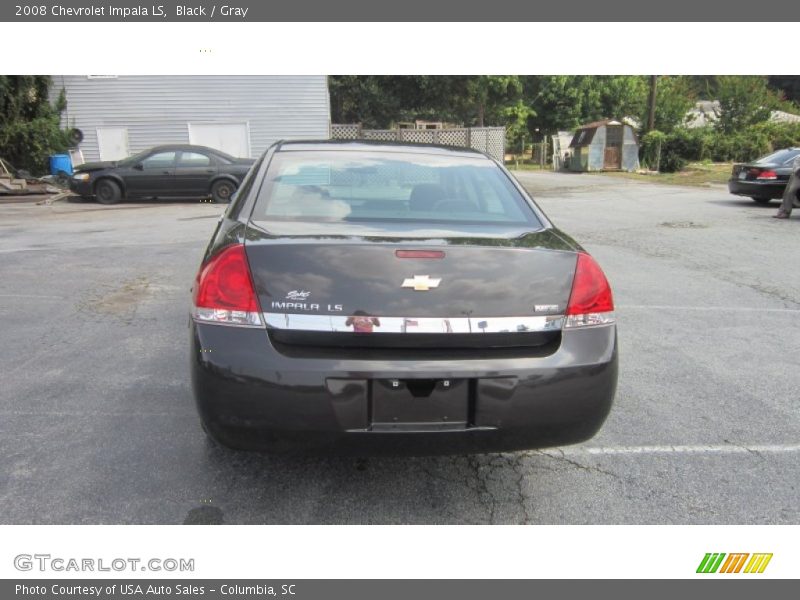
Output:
(711, 308)
(32, 296)
(695, 449)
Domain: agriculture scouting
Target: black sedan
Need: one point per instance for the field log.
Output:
(175, 171)
(764, 179)
(395, 298)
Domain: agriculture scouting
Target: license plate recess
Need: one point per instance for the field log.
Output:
(419, 404)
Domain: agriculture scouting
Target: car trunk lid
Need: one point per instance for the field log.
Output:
(763, 172)
(473, 278)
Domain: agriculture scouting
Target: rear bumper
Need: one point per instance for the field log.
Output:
(756, 189)
(251, 396)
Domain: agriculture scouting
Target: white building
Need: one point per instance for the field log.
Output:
(119, 115)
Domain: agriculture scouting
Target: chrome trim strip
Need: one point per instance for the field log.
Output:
(337, 323)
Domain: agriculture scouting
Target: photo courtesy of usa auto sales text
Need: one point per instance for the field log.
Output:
(135, 589)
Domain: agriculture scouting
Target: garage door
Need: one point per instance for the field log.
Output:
(112, 142)
(233, 138)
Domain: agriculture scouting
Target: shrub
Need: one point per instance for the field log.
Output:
(708, 143)
(30, 127)
(780, 135)
(743, 146)
(669, 152)
(650, 146)
(689, 144)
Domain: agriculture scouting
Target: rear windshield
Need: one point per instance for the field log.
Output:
(363, 187)
(780, 157)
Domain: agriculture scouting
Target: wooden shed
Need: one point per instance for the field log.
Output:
(607, 145)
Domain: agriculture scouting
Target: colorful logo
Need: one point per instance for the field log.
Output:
(734, 563)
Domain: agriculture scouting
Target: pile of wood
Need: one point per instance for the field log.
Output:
(12, 184)
(9, 183)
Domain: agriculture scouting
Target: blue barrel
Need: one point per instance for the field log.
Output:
(60, 163)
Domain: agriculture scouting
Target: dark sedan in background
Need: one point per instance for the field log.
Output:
(412, 299)
(174, 171)
(764, 179)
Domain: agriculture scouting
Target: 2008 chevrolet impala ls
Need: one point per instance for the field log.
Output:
(374, 298)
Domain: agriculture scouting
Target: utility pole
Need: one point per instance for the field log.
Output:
(651, 103)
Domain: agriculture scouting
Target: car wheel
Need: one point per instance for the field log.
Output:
(107, 192)
(222, 191)
(762, 200)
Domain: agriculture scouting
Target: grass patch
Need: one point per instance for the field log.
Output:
(695, 174)
(527, 165)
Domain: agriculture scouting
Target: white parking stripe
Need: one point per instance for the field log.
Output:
(714, 308)
(31, 296)
(700, 449)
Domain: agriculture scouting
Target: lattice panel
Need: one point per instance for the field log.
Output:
(346, 131)
(477, 139)
(491, 140)
(453, 137)
(496, 143)
(419, 136)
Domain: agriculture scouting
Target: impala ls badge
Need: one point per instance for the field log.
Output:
(421, 283)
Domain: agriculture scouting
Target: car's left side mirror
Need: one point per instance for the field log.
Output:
(139, 167)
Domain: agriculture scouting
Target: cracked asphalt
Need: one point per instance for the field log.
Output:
(97, 423)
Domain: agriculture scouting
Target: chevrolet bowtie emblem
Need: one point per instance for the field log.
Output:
(421, 283)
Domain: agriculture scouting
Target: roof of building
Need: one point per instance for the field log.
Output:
(585, 133)
(596, 124)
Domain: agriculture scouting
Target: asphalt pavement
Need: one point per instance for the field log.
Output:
(97, 422)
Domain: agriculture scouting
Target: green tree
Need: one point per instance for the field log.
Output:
(703, 87)
(560, 102)
(516, 118)
(613, 96)
(674, 98)
(787, 85)
(379, 100)
(555, 102)
(486, 98)
(30, 126)
(362, 99)
(530, 107)
(743, 101)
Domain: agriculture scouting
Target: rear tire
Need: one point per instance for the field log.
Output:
(222, 191)
(761, 200)
(107, 192)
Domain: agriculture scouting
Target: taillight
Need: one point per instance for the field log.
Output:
(224, 292)
(767, 174)
(590, 302)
